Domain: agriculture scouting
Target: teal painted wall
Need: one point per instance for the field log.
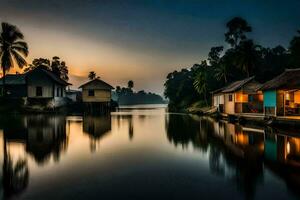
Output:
(270, 98)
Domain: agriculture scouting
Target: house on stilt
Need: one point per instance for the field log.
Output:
(96, 96)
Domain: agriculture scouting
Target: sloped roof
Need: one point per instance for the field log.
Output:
(20, 79)
(100, 84)
(289, 79)
(237, 85)
(53, 76)
(14, 79)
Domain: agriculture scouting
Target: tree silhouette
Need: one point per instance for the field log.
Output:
(201, 82)
(38, 62)
(92, 75)
(295, 50)
(237, 29)
(59, 68)
(247, 56)
(130, 84)
(13, 49)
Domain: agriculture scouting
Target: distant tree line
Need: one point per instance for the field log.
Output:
(243, 58)
(126, 96)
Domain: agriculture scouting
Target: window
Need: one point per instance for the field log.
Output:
(39, 91)
(230, 97)
(91, 93)
(57, 92)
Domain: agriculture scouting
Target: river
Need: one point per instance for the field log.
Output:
(145, 153)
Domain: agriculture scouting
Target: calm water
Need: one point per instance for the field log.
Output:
(145, 154)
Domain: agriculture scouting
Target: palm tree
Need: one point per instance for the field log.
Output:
(247, 56)
(130, 84)
(13, 49)
(200, 84)
(221, 72)
(92, 75)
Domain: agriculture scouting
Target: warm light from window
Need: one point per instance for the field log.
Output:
(287, 96)
(297, 97)
(241, 98)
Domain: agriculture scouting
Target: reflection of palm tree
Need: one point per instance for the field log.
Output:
(15, 177)
(130, 128)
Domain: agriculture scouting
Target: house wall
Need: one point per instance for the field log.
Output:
(229, 105)
(39, 79)
(218, 99)
(100, 95)
(270, 102)
(49, 87)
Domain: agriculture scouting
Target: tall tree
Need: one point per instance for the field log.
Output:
(237, 29)
(13, 49)
(214, 55)
(59, 68)
(221, 72)
(246, 56)
(92, 75)
(295, 50)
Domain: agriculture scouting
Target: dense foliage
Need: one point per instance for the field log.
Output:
(57, 66)
(243, 58)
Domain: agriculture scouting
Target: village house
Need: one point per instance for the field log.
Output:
(239, 97)
(96, 95)
(36, 87)
(282, 94)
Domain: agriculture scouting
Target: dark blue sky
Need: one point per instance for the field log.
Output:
(142, 40)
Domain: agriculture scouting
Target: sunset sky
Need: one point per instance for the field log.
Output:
(141, 40)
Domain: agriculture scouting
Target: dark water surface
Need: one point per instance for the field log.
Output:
(145, 154)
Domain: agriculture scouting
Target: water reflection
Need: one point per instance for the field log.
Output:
(134, 146)
(240, 153)
(96, 127)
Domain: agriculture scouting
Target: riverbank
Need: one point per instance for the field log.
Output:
(243, 118)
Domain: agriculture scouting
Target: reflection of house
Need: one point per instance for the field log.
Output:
(239, 97)
(36, 86)
(97, 126)
(46, 136)
(281, 147)
(282, 94)
(42, 136)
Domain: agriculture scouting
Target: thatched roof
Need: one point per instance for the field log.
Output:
(237, 85)
(289, 79)
(97, 84)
